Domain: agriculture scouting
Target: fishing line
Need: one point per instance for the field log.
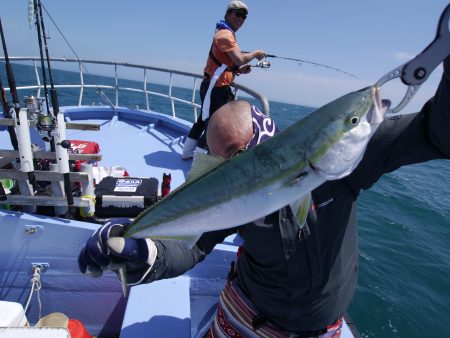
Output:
(99, 90)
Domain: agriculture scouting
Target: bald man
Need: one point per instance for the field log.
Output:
(230, 130)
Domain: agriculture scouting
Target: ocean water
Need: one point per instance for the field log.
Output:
(404, 227)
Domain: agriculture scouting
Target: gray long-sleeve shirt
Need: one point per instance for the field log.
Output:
(304, 281)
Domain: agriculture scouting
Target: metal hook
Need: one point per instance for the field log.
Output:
(410, 91)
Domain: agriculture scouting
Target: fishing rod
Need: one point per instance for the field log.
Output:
(301, 61)
(62, 155)
(44, 123)
(53, 95)
(24, 147)
(8, 115)
(9, 73)
(11, 131)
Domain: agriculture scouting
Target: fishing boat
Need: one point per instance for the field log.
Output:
(52, 165)
(39, 250)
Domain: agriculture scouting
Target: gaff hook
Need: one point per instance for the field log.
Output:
(416, 71)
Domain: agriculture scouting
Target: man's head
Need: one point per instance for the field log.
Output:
(237, 126)
(236, 14)
(229, 129)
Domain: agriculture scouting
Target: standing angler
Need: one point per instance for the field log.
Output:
(225, 61)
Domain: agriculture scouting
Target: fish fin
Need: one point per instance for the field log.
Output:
(299, 177)
(188, 240)
(202, 164)
(301, 208)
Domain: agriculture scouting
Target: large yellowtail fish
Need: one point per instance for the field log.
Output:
(222, 193)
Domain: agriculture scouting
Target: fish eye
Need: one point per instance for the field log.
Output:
(353, 120)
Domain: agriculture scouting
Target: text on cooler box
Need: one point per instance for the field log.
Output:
(127, 185)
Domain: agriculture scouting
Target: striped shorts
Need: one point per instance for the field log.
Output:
(234, 317)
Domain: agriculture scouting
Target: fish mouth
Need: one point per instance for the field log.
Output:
(382, 104)
(376, 113)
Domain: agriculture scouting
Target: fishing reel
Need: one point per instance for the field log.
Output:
(263, 64)
(37, 112)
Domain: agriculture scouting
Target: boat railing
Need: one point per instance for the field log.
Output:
(117, 87)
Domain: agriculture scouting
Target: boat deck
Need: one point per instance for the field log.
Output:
(147, 144)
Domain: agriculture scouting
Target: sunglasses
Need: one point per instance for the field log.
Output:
(246, 147)
(239, 151)
(241, 15)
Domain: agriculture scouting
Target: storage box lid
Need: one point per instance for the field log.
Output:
(34, 332)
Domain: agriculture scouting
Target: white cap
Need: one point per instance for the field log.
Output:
(236, 4)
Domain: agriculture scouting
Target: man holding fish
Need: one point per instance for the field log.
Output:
(297, 272)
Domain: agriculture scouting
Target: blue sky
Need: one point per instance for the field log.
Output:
(366, 38)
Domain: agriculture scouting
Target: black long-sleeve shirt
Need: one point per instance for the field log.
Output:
(305, 280)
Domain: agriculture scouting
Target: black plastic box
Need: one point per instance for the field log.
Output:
(124, 196)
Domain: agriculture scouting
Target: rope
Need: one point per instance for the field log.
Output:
(35, 286)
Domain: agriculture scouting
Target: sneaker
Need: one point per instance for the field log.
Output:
(188, 149)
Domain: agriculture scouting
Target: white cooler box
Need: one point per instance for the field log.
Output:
(14, 324)
(12, 314)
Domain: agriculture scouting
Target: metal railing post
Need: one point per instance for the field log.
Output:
(145, 90)
(38, 80)
(80, 101)
(170, 94)
(117, 85)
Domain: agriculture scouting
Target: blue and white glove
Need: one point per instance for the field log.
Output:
(107, 249)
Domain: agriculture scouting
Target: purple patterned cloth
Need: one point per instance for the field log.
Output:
(263, 128)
